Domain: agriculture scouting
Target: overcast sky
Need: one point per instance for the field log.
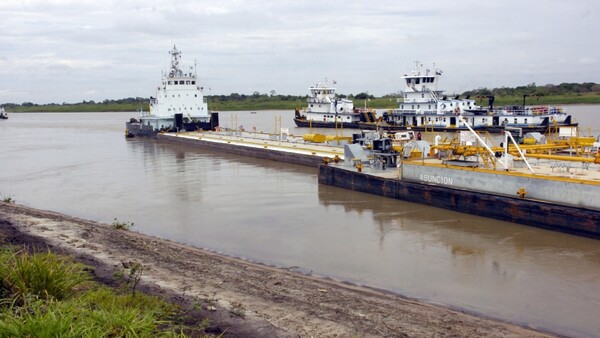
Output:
(54, 51)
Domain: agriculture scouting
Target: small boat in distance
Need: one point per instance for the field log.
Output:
(325, 110)
(179, 105)
(3, 114)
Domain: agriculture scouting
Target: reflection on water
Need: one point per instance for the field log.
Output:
(525, 271)
(277, 213)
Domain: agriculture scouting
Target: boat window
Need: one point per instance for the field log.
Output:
(413, 106)
(187, 82)
(525, 120)
(429, 106)
(195, 95)
(193, 82)
(418, 80)
(422, 95)
(170, 82)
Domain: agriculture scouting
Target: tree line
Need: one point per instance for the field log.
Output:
(534, 90)
(531, 90)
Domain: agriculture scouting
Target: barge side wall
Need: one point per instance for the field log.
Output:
(568, 219)
(555, 191)
(264, 153)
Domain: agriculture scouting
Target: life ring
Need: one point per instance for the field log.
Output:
(443, 106)
(457, 111)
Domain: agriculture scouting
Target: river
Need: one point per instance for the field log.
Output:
(80, 164)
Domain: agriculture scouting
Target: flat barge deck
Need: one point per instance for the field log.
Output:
(288, 149)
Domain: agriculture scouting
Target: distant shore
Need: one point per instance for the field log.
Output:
(280, 103)
(245, 298)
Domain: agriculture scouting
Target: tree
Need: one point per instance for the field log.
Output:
(363, 96)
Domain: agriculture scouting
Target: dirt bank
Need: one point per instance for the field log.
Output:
(243, 298)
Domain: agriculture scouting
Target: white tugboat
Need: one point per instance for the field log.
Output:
(3, 114)
(325, 110)
(424, 107)
(179, 105)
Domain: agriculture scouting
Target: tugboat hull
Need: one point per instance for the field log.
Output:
(304, 123)
(147, 127)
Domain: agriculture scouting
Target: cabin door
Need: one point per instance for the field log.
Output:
(452, 121)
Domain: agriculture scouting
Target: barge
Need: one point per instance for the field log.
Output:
(527, 184)
(555, 192)
(277, 147)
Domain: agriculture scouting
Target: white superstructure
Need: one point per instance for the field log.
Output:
(179, 103)
(424, 106)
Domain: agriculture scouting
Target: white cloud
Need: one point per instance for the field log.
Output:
(90, 50)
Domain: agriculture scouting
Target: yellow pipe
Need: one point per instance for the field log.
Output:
(566, 158)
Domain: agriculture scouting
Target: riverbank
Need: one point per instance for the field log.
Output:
(242, 298)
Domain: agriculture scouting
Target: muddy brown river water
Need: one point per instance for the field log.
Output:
(80, 164)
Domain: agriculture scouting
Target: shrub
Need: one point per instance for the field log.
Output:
(116, 224)
(43, 275)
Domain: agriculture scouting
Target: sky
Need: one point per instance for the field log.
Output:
(57, 51)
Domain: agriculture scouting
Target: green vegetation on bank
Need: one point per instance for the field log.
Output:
(47, 295)
(565, 93)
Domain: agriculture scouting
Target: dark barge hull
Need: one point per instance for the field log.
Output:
(396, 127)
(542, 128)
(264, 153)
(303, 123)
(137, 128)
(567, 219)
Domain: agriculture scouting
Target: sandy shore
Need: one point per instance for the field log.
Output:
(245, 299)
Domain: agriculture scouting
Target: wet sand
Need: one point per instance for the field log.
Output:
(242, 298)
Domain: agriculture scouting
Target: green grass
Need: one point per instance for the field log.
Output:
(80, 107)
(47, 295)
(43, 275)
